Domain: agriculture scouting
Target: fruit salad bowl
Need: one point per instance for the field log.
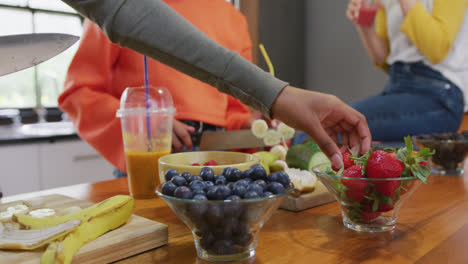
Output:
(225, 212)
(367, 204)
(451, 149)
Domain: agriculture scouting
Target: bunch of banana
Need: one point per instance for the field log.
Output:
(66, 234)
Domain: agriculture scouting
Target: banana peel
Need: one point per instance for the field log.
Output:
(102, 208)
(32, 239)
(91, 229)
(48, 257)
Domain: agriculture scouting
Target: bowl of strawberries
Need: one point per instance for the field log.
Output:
(372, 188)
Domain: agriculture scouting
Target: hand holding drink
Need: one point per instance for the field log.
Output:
(363, 12)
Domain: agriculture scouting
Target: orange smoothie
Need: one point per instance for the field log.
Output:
(143, 173)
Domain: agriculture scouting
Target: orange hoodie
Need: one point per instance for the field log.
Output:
(100, 72)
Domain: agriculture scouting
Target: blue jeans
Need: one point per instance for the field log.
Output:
(416, 100)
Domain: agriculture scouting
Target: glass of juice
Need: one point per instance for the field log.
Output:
(146, 116)
(367, 13)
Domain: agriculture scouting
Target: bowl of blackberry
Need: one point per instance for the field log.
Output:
(451, 149)
(225, 211)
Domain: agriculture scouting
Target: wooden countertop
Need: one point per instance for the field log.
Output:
(432, 228)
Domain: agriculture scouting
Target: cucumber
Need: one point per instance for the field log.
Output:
(306, 156)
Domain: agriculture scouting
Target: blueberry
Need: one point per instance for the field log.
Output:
(214, 194)
(200, 197)
(196, 185)
(233, 198)
(258, 172)
(255, 188)
(272, 177)
(239, 190)
(243, 239)
(230, 185)
(214, 215)
(241, 183)
(186, 176)
(208, 184)
(275, 187)
(223, 191)
(207, 174)
(267, 193)
(195, 178)
(223, 247)
(248, 180)
(198, 191)
(234, 175)
(246, 174)
(226, 171)
(169, 188)
(251, 195)
(262, 183)
(183, 192)
(283, 178)
(220, 180)
(170, 173)
(207, 240)
(179, 181)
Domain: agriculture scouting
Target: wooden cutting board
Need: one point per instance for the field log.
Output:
(305, 201)
(137, 235)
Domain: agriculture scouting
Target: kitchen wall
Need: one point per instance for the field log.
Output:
(313, 45)
(336, 61)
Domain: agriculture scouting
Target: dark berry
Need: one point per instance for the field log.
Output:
(170, 173)
(233, 198)
(258, 172)
(255, 188)
(267, 193)
(223, 247)
(234, 175)
(212, 193)
(207, 174)
(208, 184)
(272, 177)
(251, 195)
(186, 176)
(220, 180)
(183, 192)
(230, 185)
(283, 178)
(262, 183)
(200, 197)
(195, 178)
(275, 187)
(196, 185)
(226, 171)
(248, 180)
(241, 183)
(243, 239)
(246, 174)
(198, 191)
(239, 190)
(168, 188)
(223, 191)
(179, 181)
(215, 214)
(207, 240)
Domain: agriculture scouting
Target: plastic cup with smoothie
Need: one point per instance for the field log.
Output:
(147, 134)
(367, 13)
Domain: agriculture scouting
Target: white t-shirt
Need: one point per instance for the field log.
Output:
(455, 65)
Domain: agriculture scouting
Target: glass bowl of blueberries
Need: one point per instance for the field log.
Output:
(451, 149)
(226, 211)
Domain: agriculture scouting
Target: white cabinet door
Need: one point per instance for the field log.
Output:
(19, 168)
(70, 162)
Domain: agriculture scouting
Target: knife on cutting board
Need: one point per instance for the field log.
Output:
(233, 139)
(18, 52)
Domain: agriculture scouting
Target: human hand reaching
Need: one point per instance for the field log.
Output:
(181, 136)
(323, 117)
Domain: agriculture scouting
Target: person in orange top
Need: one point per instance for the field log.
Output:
(101, 70)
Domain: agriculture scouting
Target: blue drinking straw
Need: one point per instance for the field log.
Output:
(148, 124)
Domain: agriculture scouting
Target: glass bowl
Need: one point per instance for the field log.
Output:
(182, 162)
(225, 231)
(357, 198)
(449, 153)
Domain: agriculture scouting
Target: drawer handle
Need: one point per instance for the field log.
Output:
(86, 157)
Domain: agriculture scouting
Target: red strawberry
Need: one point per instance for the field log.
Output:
(195, 164)
(356, 188)
(384, 165)
(347, 161)
(369, 216)
(423, 163)
(210, 163)
(387, 207)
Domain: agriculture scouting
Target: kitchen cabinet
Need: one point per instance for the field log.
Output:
(19, 169)
(43, 165)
